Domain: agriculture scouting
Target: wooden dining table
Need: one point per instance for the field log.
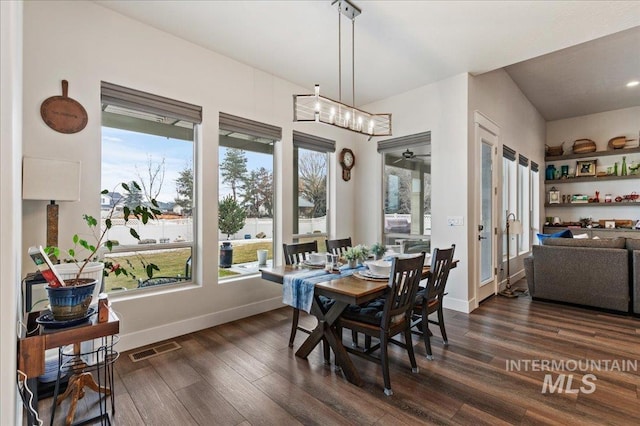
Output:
(345, 291)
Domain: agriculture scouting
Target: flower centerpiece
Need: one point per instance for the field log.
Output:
(355, 255)
(378, 250)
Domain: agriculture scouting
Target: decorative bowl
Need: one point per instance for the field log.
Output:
(71, 301)
(379, 267)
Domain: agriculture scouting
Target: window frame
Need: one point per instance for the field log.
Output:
(317, 144)
(396, 145)
(132, 110)
(258, 134)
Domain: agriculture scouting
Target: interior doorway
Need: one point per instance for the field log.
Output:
(486, 139)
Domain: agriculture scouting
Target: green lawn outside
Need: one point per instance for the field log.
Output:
(172, 263)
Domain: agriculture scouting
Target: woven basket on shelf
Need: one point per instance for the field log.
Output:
(581, 146)
(553, 151)
(619, 142)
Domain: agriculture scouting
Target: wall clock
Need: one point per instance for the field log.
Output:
(347, 160)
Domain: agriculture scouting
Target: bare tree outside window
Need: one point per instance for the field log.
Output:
(312, 172)
(152, 182)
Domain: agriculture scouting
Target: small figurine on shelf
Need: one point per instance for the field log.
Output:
(597, 199)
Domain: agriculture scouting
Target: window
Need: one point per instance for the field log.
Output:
(150, 139)
(246, 193)
(407, 191)
(535, 200)
(310, 177)
(524, 203)
(509, 197)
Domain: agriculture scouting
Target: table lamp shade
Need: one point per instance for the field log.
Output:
(49, 179)
(53, 180)
(515, 227)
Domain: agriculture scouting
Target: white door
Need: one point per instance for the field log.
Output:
(486, 225)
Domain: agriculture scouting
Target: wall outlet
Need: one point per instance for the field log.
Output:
(455, 221)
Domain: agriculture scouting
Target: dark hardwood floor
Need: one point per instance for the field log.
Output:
(243, 373)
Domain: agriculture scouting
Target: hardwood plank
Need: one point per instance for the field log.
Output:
(249, 401)
(126, 412)
(204, 404)
(175, 369)
(154, 400)
(300, 404)
(470, 415)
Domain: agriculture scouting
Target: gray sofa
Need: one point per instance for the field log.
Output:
(599, 273)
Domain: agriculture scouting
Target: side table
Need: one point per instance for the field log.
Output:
(32, 346)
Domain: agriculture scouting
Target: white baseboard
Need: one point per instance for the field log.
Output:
(460, 305)
(514, 279)
(190, 325)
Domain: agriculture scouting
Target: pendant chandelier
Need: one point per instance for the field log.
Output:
(314, 107)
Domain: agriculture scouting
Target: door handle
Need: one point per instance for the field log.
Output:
(480, 237)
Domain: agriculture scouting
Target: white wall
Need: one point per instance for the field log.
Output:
(10, 208)
(600, 128)
(441, 108)
(85, 43)
(522, 128)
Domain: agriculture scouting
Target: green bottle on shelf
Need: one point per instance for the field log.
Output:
(624, 166)
(615, 169)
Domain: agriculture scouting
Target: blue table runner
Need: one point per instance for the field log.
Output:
(297, 289)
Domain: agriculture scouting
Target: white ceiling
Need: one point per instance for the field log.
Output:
(402, 45)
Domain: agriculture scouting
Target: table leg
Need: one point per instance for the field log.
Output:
(325, 330)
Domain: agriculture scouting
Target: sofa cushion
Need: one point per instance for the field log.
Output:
(617, 243)
(562, 234)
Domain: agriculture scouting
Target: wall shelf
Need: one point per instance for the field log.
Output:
(627, 204)
(624, 151)
(590, 179)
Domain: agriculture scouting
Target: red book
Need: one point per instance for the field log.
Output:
(45, 267)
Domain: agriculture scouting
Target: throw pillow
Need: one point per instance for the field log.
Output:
(562, 234)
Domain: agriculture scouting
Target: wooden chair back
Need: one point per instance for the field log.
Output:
(338, 246)
(403, 282)
(441, 262)
(297, 253)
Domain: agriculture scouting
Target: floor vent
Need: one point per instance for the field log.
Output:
(153, 351)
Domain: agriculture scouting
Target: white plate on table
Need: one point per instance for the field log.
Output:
(313, 264)
(368, 274)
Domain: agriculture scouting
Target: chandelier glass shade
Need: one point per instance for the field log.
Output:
(314, 107)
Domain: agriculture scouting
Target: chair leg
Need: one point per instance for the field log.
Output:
(367, 342)
(384, 360)
(408, 341)
(426, 333)
(327, 351)
(294, 326)
(441, 324)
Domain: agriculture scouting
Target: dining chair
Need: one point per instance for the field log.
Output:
(387, 316)
(293, 255)
(429, 298)
(338, 246)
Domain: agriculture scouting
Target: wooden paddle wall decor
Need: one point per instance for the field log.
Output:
(63, 114)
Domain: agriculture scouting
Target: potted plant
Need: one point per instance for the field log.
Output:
(362, 252)
(351, 255)
(76, 298)
(378, 250)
